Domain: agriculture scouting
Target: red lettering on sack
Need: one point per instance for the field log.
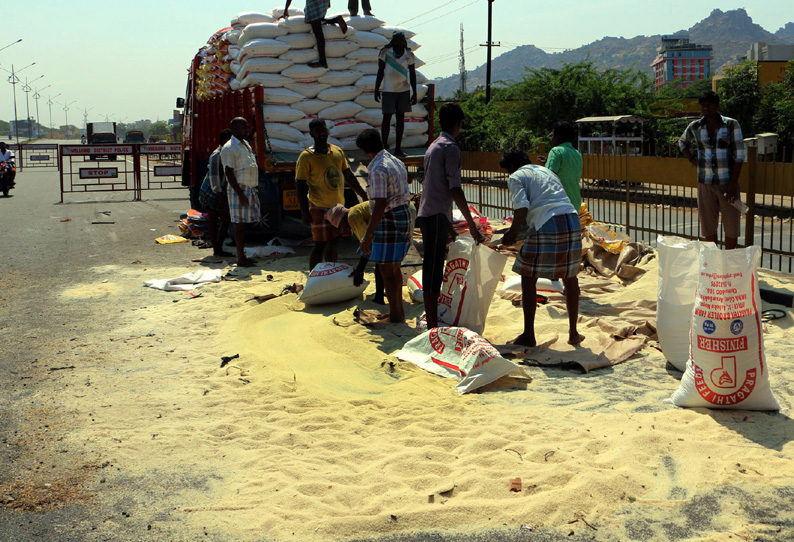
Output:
(326, 272)
(448, 366)
(710, 344)
(744, 391)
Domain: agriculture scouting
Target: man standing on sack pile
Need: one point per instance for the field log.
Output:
(242, 174)
(320, 175)
(397, 72)
(441, 186)
(720, 155)
(315, 16)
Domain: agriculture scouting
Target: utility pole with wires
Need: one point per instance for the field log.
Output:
(462, 63)
(85, 119)
(489, 45)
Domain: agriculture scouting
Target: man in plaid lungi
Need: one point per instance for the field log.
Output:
(720, 155)
(242, 173)
(314, 14)
(553, 248)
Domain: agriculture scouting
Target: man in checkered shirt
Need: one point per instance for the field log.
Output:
(720, 155)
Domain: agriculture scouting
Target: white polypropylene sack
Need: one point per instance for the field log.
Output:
(186, 282)
(281, 113)
(330, 282)
(347, 128)
(366, 83)
(307, 90)
(263, 47)
(298, 41)
(415, 287)
(369, 39)
(727, 366)
(415, 141)
(333, 32)
(261, 30)
(348, 143)
(280, 145)
(284, 132)
(418, 111)
(367, 68)
(367, 100)
(365, 22)
(340, 78)
(281, 96)
(264, 65)
(420, 78)
(252, 17)
(235, 84)
(339, 48)
(301, 56)
(302, 125)
(304, 74)
(459, 353)
(412, 45)
(312, 107)
(339, 94)
(679, 260)
(421, 91)
(268, 80)
(267, 251)
(388, 32)
(418, 63)
(363, 54)
(234, 36)
(513, 285)
(279, 11)
(295, 24)
(470, 279)
(235, 67)
(341, 64)
(342, 110)
(372, 117)
(415, 126)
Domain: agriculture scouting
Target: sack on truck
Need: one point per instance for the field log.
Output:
(727, 366)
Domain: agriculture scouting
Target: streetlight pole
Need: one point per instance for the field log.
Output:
(36, 96)
(66, 114)
(14, 80)
(49, 103)
(85, 120)
(26, 89)
(10, 44)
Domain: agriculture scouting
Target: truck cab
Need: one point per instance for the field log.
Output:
(134, 136)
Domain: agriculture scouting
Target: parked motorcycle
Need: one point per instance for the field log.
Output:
(7, 175)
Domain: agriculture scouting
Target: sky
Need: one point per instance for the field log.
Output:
(127, 61)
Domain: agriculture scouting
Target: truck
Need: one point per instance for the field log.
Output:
(202, 123)
(134, 136)
(101, 133)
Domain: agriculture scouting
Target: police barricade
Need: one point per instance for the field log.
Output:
(36, 155)
(120, 168)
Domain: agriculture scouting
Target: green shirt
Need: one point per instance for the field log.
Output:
(566, 162)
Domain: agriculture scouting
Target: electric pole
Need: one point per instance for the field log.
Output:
(85, 119)
(462, 64)
(49, 103)
(489, 45)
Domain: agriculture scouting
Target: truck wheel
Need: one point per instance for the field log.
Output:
(112, 157)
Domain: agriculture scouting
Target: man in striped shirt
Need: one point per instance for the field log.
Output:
(720, 155)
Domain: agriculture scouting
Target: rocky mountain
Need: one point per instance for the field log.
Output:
(729, 32)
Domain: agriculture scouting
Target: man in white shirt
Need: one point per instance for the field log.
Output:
(397, 74)
(7, 156)
(242, 174)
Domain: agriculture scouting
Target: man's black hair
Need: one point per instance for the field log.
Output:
(709, 96)
(237, 120)
(565, 131)
(225, 136)
(514, 159)
(317, 123)
(369, 141)
(449, 115)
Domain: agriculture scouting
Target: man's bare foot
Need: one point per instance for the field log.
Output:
(368, 13)
(342, 24)
(398, 152)
(317, 64)
(524, 340)
(379, 299)
(246, 262)
(575, 338)
(223, 254)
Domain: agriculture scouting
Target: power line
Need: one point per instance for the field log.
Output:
(447, 14)
(427, 12)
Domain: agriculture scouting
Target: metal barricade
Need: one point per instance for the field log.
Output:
(161, 167)
(36, 155)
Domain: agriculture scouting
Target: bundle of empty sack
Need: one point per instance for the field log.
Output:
(263, 50)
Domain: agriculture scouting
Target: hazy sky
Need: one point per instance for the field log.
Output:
(128, 60)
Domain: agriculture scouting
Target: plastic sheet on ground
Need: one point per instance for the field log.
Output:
(186, 282)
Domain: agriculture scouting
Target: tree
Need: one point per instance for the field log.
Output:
(159, 128)
(740, 96)
(776, 109)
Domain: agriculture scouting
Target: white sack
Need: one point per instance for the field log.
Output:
(333, 32)
(363, 54)
(418, 111)
(367, 83)
(307, 90)
(415, 126)
(186, 282)
(302, 125)
(268, 80)
(281, 96)
(281, 113)
(679, 260)
(471, 276)
(235, 67)
(727, 366)
(342, 110)
(280, 145)
(301, 56)
(339, 94)
(348, 143)
(261, 30)
(263, 47)
(347, 128)
(263, 65)
(421, 91)
(234, 36)
(340, 78)
(295, 24)
(251, 17)
(330, 282)
(311, 107)
(298, 41)
(285, 132)
(364, 22)
(513, 285)
(415, 287)
(459, 353)
(339, 48)
(420, 78)
(367, 100)
(388, 31)
(234, 84)
(414, 141)
(341, 64)
(303, 73)
(369, 39)
(267, 251)
(418, 63)
(279, 11)
(367, 68)
(373, 117)
(412, 45)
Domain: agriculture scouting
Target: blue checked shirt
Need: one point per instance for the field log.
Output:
(716, 155)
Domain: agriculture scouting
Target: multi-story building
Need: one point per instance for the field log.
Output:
(681, 61)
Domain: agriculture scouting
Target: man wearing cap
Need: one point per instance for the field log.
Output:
(321, 173)
(397, 73)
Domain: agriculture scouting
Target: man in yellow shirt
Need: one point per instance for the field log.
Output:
(321, 173)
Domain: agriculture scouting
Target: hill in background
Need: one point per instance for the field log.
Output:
(730, 34)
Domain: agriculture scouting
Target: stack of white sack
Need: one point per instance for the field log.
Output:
(274, 53)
